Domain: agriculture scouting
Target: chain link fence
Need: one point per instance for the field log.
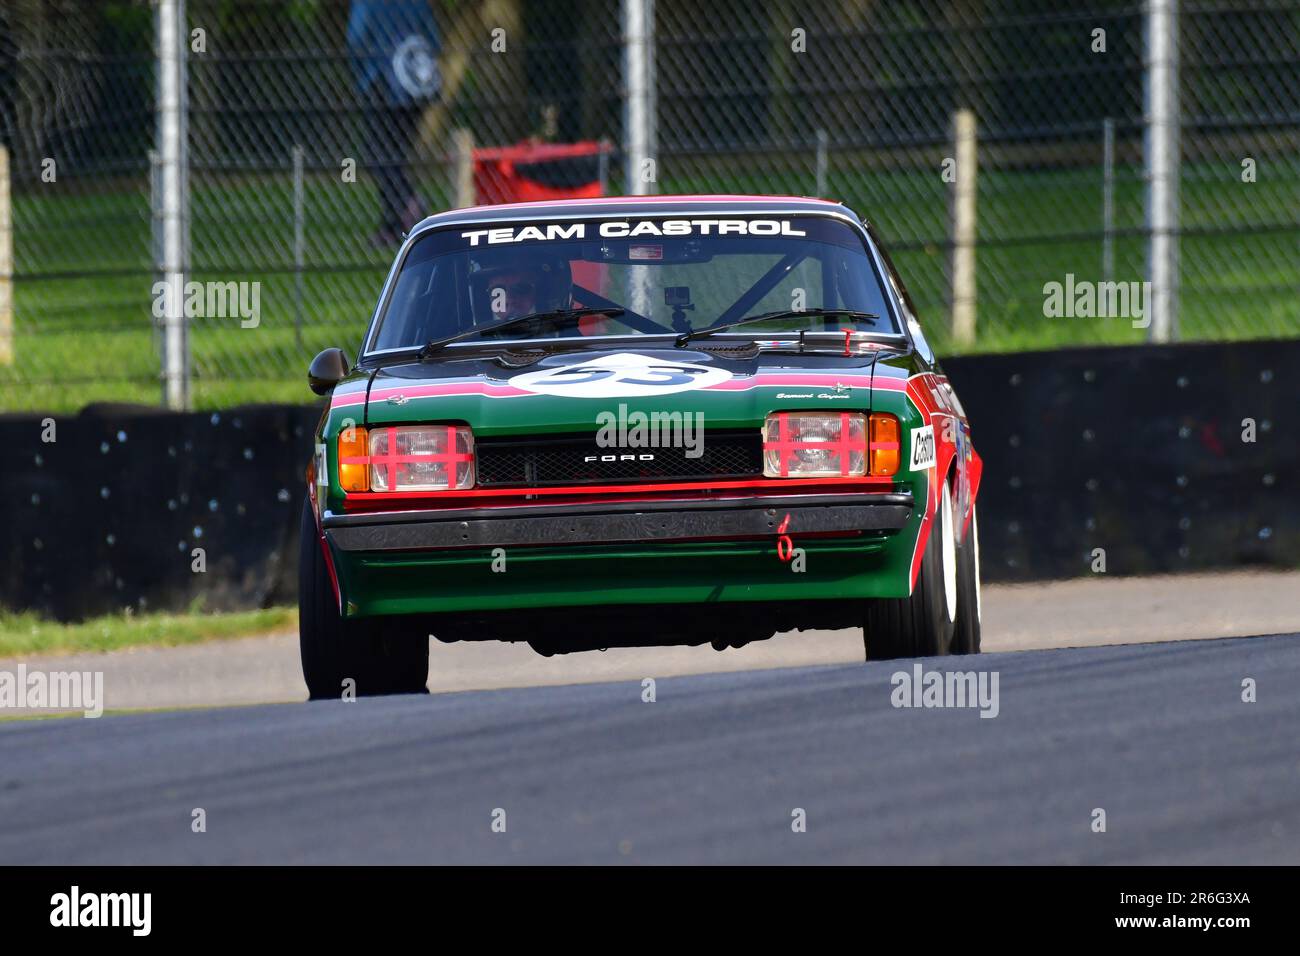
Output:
(297, 170)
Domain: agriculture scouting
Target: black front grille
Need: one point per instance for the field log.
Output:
(577, 459)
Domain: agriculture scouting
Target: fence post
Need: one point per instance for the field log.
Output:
(823, 142)
(1107, 199)
(155, 213)
(299, 215)
(462, 162)
(638, 105)
(174, 175)
(156, 239)
(6, 263)
(1162, 172)
(962, 217)
(638, 125)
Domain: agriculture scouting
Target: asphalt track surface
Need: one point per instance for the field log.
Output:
(712, 771)
(1078, 613)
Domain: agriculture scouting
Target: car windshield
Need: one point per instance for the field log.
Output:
(667, 275)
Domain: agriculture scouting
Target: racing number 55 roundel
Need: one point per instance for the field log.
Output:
(620, 376)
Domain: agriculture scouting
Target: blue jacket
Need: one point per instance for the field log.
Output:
(394, 47)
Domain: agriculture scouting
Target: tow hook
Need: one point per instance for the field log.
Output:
(784, 546)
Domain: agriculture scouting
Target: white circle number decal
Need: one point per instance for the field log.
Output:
(620, 376)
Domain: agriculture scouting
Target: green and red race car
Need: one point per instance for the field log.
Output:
(635, 421)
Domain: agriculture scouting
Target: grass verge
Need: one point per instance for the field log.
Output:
(23, 634)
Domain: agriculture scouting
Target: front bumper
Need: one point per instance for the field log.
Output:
(617, 523)
(684, 551)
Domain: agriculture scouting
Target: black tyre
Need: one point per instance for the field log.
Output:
(379, 656)
(966, 631)
(921, 625)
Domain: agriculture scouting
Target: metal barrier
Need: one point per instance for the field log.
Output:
(1113, 460)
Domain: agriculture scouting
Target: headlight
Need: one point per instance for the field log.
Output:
(815, 445)
(413, 458)
(829, 445)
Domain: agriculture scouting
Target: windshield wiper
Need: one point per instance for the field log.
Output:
(550, 315)
(782, 314)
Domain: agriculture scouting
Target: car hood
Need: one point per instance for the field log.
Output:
(731, 387)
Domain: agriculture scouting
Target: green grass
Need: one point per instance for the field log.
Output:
(1239, 280)
(82, 338)
(25, 633)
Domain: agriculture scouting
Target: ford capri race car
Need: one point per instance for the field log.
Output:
(637, 421)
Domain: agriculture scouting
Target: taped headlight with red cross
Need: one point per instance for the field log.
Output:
(421, 458)
(815, 445)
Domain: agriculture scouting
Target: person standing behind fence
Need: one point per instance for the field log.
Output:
(394, 49)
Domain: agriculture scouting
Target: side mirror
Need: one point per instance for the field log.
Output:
(327, 370)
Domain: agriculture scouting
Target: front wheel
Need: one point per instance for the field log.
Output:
(369, 657)
(921, 625)
(966, 631)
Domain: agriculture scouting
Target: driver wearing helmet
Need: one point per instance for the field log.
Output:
(507, 286)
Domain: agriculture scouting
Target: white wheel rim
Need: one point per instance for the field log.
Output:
(975, 543)
(949, 557)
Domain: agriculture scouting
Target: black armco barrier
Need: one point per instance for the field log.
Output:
(1137, 451)
(107, 516)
